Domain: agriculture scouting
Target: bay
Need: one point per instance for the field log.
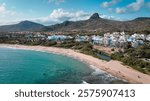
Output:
(32, 67)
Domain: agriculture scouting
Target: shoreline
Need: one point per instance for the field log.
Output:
(113, 67)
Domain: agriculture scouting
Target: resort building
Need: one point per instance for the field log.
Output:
(59, 37)
(96, 39)
(79, 38)
(148, 37)
(134, 44)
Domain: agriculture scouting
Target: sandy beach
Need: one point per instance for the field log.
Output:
(113, 67)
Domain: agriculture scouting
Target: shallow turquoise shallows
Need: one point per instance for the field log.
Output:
(31, 67)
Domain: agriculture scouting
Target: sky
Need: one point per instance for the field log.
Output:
(49, 12)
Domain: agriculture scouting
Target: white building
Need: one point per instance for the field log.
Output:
(97, 39)
(135, 44)
(148, 37)
(57, 37)
(79, 38)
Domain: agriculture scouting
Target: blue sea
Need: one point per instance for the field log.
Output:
(32, 67)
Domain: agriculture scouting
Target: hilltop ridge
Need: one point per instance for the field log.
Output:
(94, 24)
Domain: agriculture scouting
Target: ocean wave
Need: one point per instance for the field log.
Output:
(97, 71)
(101, 76)
(84, 82)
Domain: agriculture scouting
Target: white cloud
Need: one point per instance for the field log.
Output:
(2, 8)
(135, 6)
(60, 15)
(110, 3)
(8, 16)
(132, 7)
(5, 12)
(56, 1)
(120, 10)
(109, 17)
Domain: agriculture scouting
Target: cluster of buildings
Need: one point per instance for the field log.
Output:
(116, 39)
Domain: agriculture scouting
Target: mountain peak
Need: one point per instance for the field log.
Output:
(95, 16)
(22, 26)
(26, 22)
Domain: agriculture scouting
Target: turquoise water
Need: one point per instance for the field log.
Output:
(31, 67)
